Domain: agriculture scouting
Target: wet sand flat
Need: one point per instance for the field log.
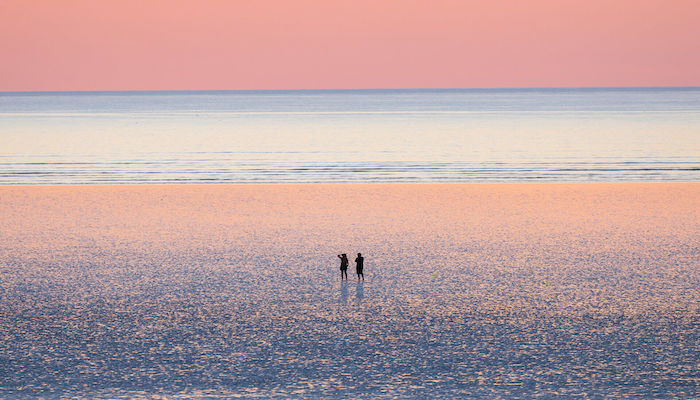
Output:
(482, 290)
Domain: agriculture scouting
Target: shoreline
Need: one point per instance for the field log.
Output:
(80, 185)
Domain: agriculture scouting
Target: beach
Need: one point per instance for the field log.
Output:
(485, 290)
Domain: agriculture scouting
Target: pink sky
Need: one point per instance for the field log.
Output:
(309, 44)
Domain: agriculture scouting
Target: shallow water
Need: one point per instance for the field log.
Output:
(335, 136)
(525, 291)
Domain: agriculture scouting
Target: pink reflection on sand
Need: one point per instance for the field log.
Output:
(471, 290)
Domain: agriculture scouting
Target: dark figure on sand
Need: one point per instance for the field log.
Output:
(360, 261)
(343, 266)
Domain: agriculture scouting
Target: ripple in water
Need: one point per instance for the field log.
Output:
(498, 135)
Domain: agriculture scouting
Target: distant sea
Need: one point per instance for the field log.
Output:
(346, 136)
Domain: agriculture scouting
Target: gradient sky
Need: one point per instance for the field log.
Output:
(308, 44)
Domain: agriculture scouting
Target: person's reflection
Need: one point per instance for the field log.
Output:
(343, 293)
(359, 292)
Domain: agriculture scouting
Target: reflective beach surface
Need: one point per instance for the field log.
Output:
(484, 291)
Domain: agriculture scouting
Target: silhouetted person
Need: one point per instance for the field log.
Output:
(343, 265)
(359, 261)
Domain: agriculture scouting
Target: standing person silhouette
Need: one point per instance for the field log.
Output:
(343, 266)
(359, 261)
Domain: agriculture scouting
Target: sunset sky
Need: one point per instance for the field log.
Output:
(311, 44)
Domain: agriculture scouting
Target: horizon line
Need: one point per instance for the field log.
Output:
(342, 89)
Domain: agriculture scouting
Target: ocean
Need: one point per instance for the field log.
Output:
(350, 136)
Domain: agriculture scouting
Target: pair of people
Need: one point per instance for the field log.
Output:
(359, 265)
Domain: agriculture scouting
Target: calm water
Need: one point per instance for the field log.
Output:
(351, 136)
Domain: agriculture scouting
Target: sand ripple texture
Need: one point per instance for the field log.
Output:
(481, 291)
